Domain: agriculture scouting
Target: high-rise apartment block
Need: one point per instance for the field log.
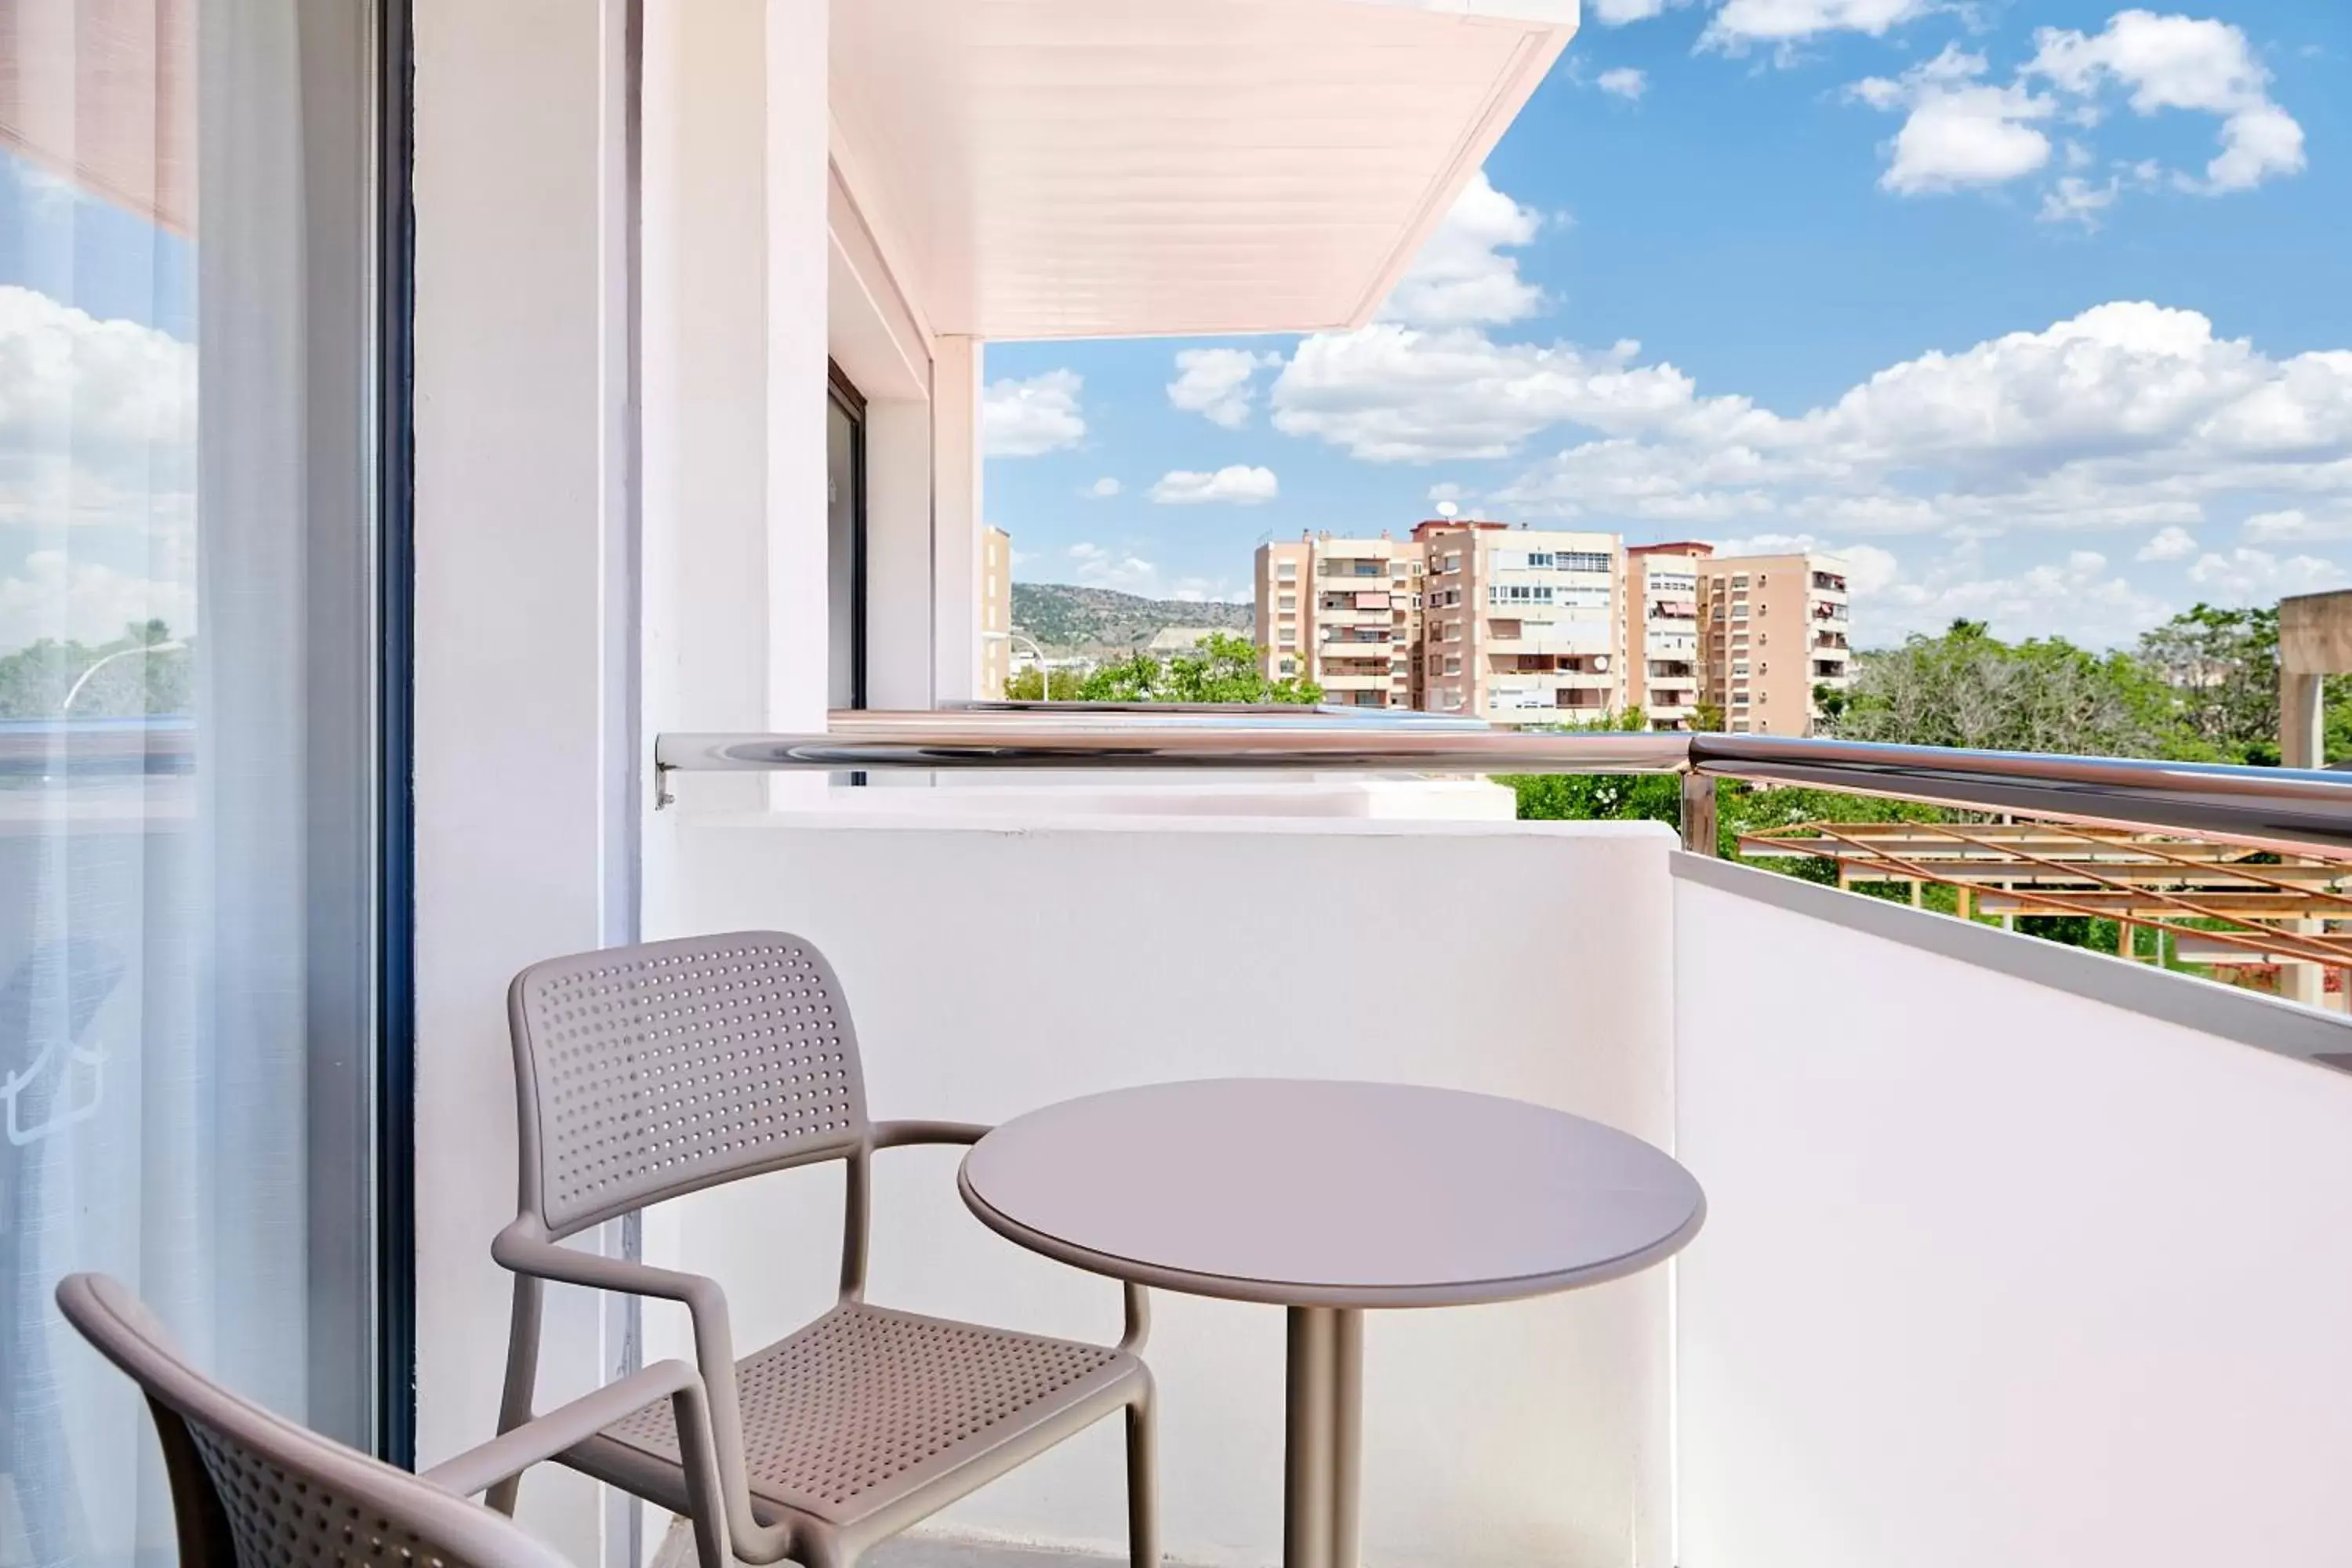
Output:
(1538, 627)
(1345, 614)
(1666, 671)
(1521, 626)
(1776, 632)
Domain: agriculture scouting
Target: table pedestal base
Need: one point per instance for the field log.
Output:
(1323, 1438)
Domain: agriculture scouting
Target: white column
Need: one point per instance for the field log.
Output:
(899, 633)
(520, 493)
(955, 516)
(2303, 720)
(703, 291)
(797, 253)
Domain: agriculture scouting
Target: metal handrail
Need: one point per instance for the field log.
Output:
(2276, 807)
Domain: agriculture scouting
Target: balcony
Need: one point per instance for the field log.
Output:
(1922, 1293)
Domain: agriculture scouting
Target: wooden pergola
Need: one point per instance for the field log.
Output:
(2223, 903)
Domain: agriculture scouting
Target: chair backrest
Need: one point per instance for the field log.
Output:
(645, 1072)
(252, 1491)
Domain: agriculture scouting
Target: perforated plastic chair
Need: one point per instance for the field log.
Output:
(250, 1490)
(648, 1072)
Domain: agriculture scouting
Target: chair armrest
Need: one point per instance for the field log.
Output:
(899, 1134)
(520, 1248)
(1136, 1327)
(566, 1426)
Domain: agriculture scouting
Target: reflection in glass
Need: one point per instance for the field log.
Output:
(187, 715)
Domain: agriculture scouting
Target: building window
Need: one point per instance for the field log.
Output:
(1453, 664)
(1452, 563)
(1287, 570)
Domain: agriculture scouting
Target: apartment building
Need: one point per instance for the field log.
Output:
(1665, 669)
(995, 610)
(1522, 625)
(1776, 630)
(1345, 614)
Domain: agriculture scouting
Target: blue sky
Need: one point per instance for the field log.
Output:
(2039, 310)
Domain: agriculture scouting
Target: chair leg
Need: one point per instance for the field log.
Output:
(1142, 1485)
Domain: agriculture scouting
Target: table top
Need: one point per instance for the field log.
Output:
(1326, 1193)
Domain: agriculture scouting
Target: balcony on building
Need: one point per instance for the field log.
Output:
(2016, 1254)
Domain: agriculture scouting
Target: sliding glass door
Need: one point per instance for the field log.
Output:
(191, 685)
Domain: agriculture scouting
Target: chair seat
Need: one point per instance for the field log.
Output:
(866, 1407)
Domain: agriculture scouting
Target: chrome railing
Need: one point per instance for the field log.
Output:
(2282, 809)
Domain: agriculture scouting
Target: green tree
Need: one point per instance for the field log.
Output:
(2220, 672)
(1027, 685)
(1968, 688)
(36, 679)
(1220, 668)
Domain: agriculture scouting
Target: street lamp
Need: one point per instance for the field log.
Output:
(1044, 674)
(65, 707)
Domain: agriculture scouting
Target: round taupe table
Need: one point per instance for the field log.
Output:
(1328, 1199)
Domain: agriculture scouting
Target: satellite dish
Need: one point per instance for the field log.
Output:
(1600, 664)
(1448, 511)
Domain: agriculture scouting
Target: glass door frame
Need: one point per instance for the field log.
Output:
(394, 1065)
(845, 396)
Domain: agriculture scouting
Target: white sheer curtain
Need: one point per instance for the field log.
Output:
(164, 824)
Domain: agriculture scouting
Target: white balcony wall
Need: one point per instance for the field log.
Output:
(1996, 1271)
(522, 765)
(999, 963)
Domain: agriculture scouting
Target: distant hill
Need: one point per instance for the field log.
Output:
(1070, 619)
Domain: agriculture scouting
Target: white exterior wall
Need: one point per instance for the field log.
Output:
(1996, 1274)
(521, 753)
(994, 968)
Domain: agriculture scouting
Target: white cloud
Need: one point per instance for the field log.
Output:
(1617, 13)
(2129, 415)
(1392, 394)
(1959, 129)
(2250, 576)
(97, 421)
(2187, 63)
(54, 596)
(1093, 566)
(1025, 418)
(1623, 82)
(1218, 383)
(1238, 485)
(2296, 526)
(2173, 543)
(2076, 596)
(1460, 277)
(1963, 129)
(1742, 23)
(2075, 199)
(1102, 488)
